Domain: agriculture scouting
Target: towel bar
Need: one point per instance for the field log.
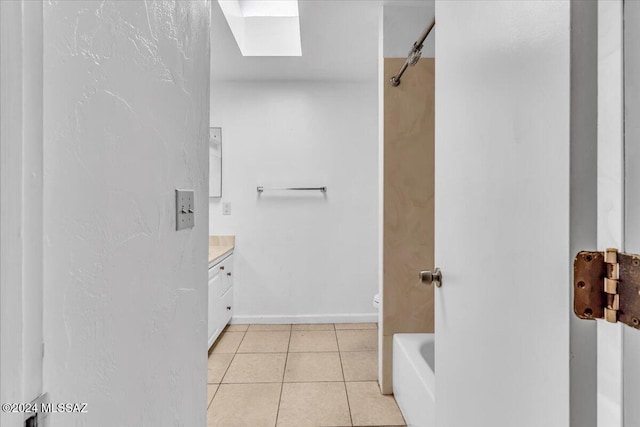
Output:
(322, 189)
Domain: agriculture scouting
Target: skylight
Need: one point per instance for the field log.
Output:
(264, 27)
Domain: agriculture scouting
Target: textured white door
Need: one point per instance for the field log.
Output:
(502, 183)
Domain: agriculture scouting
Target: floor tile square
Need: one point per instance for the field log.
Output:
(236, 328)
(370, 408)
(228, 342)
(340, 326)
(313, 405)
(314, 327)
(265, 342)
(360, 365)
(244, 405)
(357, 340)
(310, 341)
(257, 328)
(309, 367)
(256, 368)
(217, 365)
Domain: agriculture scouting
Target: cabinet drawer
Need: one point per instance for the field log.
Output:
(226, 306)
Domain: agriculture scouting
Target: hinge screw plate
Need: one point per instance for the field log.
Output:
(607, 286)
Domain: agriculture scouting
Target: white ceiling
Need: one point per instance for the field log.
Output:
(339, 42)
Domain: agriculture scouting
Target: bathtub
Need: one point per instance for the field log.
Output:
(414, 378)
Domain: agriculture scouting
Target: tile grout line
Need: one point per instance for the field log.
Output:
(333, 328)
(296, 382)
(344, 380)
(214, 395)
(301, 352)
(284, 372)
(226, 370)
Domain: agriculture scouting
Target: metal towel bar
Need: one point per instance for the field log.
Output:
(322, 189)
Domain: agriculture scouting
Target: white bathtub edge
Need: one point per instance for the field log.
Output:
(413, 379)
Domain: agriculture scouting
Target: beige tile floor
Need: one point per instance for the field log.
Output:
(318, 375)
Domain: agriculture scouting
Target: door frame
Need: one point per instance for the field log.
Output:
(631, 337)
(21, 211)
(610, 229)
(584, 201)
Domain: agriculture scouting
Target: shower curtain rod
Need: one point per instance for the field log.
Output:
(414, 54)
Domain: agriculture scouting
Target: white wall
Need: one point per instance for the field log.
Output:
(403, 24)
(300, 257)
(338, 43)
(126, 122)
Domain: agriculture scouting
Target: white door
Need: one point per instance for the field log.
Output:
(502, 183)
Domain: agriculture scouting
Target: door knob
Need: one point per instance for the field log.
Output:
(429, 278)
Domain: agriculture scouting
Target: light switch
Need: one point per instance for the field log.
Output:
(226, 208)
(185, 209)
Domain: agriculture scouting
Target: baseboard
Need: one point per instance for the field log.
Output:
(305, 318)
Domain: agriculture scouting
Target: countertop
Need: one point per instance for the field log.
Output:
(219, 246)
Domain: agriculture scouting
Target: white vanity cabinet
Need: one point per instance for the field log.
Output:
(220, 296)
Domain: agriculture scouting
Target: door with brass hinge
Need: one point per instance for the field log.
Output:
(607, 286)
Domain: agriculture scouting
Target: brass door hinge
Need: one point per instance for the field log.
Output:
(607, 286)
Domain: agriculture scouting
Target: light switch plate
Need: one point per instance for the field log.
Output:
(226, 208)
(185, 209)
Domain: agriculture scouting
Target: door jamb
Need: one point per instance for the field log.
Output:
(610, 197)
(21, 197)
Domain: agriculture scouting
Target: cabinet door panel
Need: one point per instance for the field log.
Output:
(226, 271)
(226, 307)
(213, 297)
